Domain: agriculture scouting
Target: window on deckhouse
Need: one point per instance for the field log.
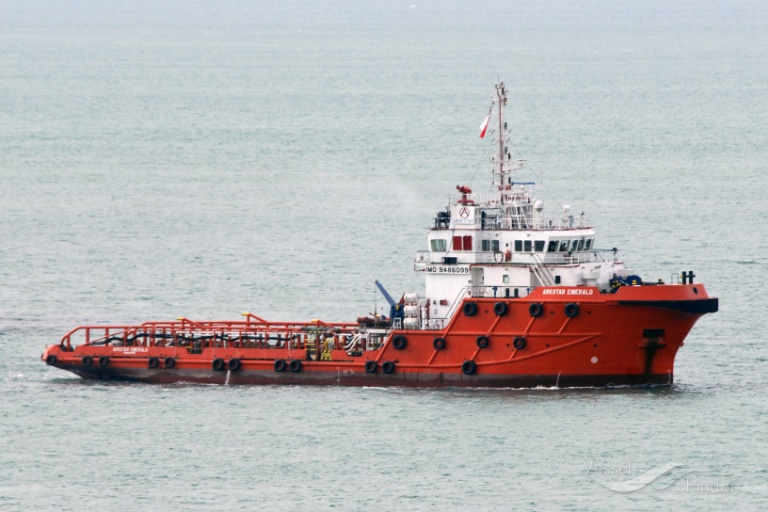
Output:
(438, 245)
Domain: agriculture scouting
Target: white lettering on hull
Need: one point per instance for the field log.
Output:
(568, 291)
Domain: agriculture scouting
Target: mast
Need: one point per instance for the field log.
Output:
(502, 169)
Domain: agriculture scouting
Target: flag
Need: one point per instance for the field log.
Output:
(484, 126)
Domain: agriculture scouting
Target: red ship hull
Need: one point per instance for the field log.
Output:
(554, 337)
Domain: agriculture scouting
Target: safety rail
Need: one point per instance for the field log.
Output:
(426, 257)
(462, 293)
(487, 291)
(210, 333)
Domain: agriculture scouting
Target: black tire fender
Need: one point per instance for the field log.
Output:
(399, 342)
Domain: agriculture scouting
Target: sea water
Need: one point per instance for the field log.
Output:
(201, 159)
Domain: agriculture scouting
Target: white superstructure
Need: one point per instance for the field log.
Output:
(497, 244)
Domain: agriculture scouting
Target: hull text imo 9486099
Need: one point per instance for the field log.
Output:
(511, 300)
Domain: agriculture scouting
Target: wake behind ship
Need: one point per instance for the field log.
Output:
(511, 300)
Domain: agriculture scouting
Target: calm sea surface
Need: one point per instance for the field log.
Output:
(208, 158)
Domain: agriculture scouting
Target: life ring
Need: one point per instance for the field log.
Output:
(87, 361)
(103, 361)
(234, 364)
(519, 343)
(280, 365)
(500, 308)
(438, 343)
(51, 360)
(571, 310)
(169, 362)
(470, 308)
(482, 341)
(388, 367)
(399, 342)
(468, 367)
(295, 366)
(371, 367)
(535, 309)
(218, 364)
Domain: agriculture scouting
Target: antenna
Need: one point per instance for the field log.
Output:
(504, 155)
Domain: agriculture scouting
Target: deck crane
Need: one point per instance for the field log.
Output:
(396, 309)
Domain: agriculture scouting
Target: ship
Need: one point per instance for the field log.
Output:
(511, 299)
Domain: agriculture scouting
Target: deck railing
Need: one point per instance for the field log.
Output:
(425, 257)
(253, 332)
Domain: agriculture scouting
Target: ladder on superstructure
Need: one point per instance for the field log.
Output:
(541, 272)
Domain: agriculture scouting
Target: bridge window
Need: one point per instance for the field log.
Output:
(581, 245)
(552, 247)
(438, 245)
(574, 245)
(563, 245)
(518, 246)
(587, 244)
(490, 245)
(539, 245)
(527, 246)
